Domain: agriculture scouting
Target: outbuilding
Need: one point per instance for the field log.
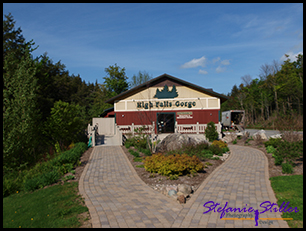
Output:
(166, 104)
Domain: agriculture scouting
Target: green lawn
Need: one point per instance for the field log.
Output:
(53, 207)
(290, 189)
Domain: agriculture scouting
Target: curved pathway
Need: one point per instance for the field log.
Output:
(117, 197)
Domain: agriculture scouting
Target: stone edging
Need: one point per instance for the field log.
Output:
(92, 210)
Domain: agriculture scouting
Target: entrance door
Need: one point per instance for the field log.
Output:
(165, 122)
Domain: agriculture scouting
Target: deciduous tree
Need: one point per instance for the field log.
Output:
(115, 81)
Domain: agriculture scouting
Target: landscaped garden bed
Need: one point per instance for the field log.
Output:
(189, 165)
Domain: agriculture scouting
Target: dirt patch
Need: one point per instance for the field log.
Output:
(274, 170)
(85, 220)
(194, 181)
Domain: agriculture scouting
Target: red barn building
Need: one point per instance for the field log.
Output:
(166, 104)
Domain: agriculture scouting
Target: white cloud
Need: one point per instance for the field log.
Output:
(195, 63)
(225, 62)
(216, 60)
(203, 72)
(292, 56)
(220, 69)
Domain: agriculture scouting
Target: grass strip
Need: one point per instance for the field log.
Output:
(290, 189)
(52, 207)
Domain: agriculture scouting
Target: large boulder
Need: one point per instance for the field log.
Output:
(229, 137)
(262, 134)
(175, 141)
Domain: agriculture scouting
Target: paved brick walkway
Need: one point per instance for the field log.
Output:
(117, 197)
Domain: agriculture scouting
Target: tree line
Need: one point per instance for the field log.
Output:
(43, 104)
(277, 93)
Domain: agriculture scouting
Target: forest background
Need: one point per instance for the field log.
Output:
(44, 107)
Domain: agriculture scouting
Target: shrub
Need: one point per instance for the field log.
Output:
(270, 149)
(140, 166)
(289, 151)
(287, 168)
(219, 143)
(128, 144)
(41, 180)
(12, 184)
(273, 142)
(215, 149)
(137, 142)
(205, 154)
(134, 153)
(278, 160)
(173, 177)
(172, 164)
(208, 156)
(147, 152)
(137, 159)
(235, 141)
(224, 150)
(45, 173)
(211, 132)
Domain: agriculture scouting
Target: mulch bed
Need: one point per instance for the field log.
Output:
(273, 169)
(159, 179)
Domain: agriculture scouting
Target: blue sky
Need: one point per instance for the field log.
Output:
(210, 45)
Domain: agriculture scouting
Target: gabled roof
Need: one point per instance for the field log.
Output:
(161, 78)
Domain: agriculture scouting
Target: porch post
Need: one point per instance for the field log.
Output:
(197, 127)
(153, 128)
(93, 139)
(133, 129)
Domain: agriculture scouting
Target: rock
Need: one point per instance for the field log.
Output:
(184, 188)
(180, 193)
(181, 199)
(239, 134)
(276, 136)
(229, 138)
(261, 133)
(172, 192)
(168, 188)
(175, 141)
(164, 190)
(198, 137)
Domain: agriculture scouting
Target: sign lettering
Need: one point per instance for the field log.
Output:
(165, 104)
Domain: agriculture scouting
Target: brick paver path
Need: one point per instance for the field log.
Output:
(117, 197)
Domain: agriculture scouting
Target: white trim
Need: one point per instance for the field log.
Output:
(135, 100)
